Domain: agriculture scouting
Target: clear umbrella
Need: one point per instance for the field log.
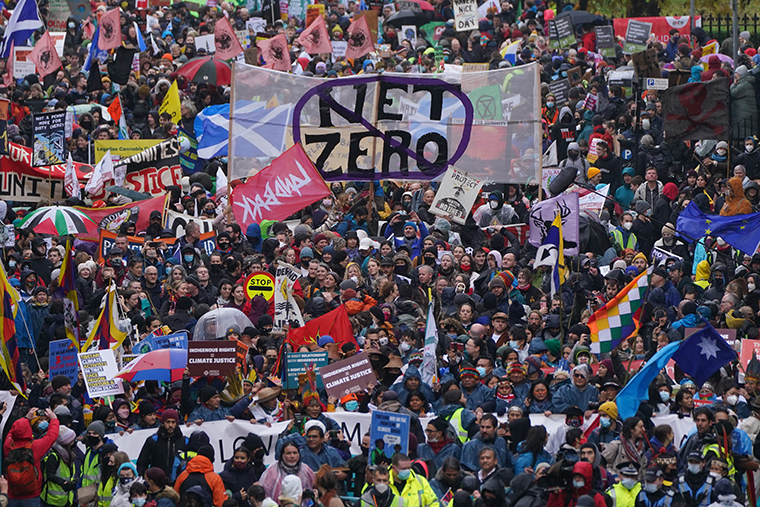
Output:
(214, 324)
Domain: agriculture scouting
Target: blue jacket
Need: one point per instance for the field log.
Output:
(468, 416)
(416, 245)
(24, 327)
(204, 413)
(424, 452)
(604, 435)
(528, 459)
(472, 448)
(482, 397)
(328, 455)
(403, 393)
(350, 224)
(671, 293)
(571, 396)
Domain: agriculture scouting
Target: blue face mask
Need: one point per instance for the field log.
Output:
(513, 345)
(139, 502)
(43, 425)
(404, 474)
(188, 258)
(578, 484)
(352, 406)
(481, 371)
(605, 422)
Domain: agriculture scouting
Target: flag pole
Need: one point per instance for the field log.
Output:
(229, 143)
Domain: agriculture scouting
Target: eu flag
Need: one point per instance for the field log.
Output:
(740, 231)
(703, 353)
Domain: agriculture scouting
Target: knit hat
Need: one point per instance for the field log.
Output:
(98, 427)
(553, 346)
(66, 435)
(515, 368)
(741, 70)
(324, 340)
(609, 408)
(440, 424)
(146, 408)
(59, 381)
(468, 370)
(744, 35)
(497, 281)
(207, 393)
(320, 237)
(169, 414)
(592, 171)
(642, 207)
(507, 277)
(411, 224)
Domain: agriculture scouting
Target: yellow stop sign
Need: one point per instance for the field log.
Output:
(259, 283)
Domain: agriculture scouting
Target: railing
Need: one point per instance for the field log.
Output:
(721, 27)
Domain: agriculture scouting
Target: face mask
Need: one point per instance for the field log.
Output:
(72, 25)
(125, 480)
(563, 73)
(240, 465)
(123, 413)
(43, 425)
(550, 104)
(481, 371)
(749, 147)
(404, 474)
(327, 203)
(578, 484)
(645, 124)
(573, 155)
(493, 204)
(383, 341)
(365, 451)
(352, 406)
(721, 153)
(12, 264)
(188, 258)
(259, 454)
(668, 240)
(92, 440)
(382, 487)
(664, 395)
(751, 287)
(605, 422)
(139, 502)
(694, 468)
(732, 399)
(430, 261)
(514, 345)
(628, 483)
(574, 423)
(650, 487)
(716, 475)
(111, 424)
(627, 225)
(404, 347)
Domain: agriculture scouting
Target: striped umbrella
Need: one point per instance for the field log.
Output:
(206, 69)
(164, 365)
(58, 221)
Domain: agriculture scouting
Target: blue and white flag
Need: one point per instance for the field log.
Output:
(23, 23)
(140, 40)
(703, 353)
(95, 52)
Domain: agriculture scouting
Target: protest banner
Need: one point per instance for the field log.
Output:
(605, 40)
(99, 370)
(659, 255)
(154, 168)
(178, 340)
(458, 122)
(4, 144)
(456, 195)
(594, 201)
(216, 358)
(465, 15)
(636, 36)
(111, 218)
(312, 13)
(351, 375)
(286, 309)
(241, 350)
(107, 239)
(22, 65)
(48, 130)
(389, 434)
(178, 221)
(63, 360)
(661, 27)
(22, 182)
(122, 148)
(259, 283)
(297, 362)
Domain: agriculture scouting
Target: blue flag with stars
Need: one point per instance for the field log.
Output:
(740, 231)
(703, 353)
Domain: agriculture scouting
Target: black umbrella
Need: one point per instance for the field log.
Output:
(407, 17)
(593, 237)
(578, 18)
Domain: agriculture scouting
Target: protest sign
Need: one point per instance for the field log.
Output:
(122, 148)
(594, 201)
(178, 221)
(286, 309)
(22, 65)
(152, 342)
(49, 139)
(63, 360)
(206, 41)
(465, 15)
(351, 375)
(542, 215)
(456, 195)
(636, 36)
(409, 32)
(259, 283)
(257, 25)
(111, 218)
(547, 175)
(560, 89)
(297, 362)
(749, 348)
(389, 434)
(659, 255)
(564, 30)
(241, 349)
(57, 13)
(605, 41)
(216, 358)
(99, 370)
(154, 168)
(339, 48)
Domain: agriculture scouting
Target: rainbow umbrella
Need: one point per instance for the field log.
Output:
(165, 365)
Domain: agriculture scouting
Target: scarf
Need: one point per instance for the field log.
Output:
(508, 398)
(288, 470)
(631, 449)
(437, 446)
(523, 287)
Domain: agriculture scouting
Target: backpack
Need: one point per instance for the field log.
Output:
(23, 477)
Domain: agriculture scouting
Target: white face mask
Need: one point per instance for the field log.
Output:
(751, 287)
(731, 399)
(749, 147)
(722, 153)
(381, 488)
(493, 204)
(721, 242)
(645, 124)
(627, 225)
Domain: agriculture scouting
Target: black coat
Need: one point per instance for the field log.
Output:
(235, 479)
(162, 450)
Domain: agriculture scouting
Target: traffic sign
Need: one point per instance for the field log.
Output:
(654, 83)
(259, 283)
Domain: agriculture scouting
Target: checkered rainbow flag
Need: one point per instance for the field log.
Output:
(619, 318)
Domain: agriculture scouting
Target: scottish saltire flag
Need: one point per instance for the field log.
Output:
(140, 40)
(23, 23)
(106, 331)
(509, 53)
(636, 390)
(551, 253)
(68, 288)
(95, 52)
(620, 317)
(703, 353)
(212, 127)
(10, 359)
(740, 231)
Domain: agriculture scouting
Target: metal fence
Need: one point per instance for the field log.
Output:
(721, 27)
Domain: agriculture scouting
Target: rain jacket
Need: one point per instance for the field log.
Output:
(472, 448)
(21, 436)
(570, 396)
(403, 393)
(569, 498)
(416, 491)
(203, 469)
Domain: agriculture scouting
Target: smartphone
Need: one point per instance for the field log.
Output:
(334, 434)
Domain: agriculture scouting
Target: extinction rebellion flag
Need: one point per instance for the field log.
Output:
(696, 111)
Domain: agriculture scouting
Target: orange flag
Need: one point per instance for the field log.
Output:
(315, 39)
(227, 44)
(115, 109)
(110, 30)
(275, 52)
(359, 39)
(44, 56)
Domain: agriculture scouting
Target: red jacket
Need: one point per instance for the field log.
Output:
(570, 499)
(20, 436)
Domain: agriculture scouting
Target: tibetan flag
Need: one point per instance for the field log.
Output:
(106, 330)
(551, 253)
(334, 323)
(10, 359)
(740, 231)
(620, 317)
(68, 288)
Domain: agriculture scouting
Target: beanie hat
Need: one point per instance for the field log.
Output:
(411, 224)
(59, 381)
(609, 408)
(146, 408)
(156, 475)
(169, 414)
(207, 451)
(207, 393)
(515, 368)
(97, 427)
(689, 308)
(507, 277)
(320, 237)
(592, 171)
(66, 435)
(497, 281)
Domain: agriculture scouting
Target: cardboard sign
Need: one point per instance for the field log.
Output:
(560, 89)
(636, 36)
(216, 358)
(456, 195)
(605, 41)
(22, 65)
(645, 64)
(389, 433)
(465, 15)
(63, 360)
(312, 13)
(351, 375)
(372, 21)
(259, 283)
(564, 31)
(99, 370)
(296, 363)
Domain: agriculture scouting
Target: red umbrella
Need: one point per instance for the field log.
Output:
(165, 365)
(424, 5)
(206, 69)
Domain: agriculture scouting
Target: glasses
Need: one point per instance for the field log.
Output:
(578, 375)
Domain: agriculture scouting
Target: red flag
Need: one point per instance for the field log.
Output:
(334, 323)
(8, 78)
(88, 29)
(226, 42)
(359, 39)
(115, 109)
(110, 30)
(289, 183)
(45, 56)
(315, 39)
(275, 53)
